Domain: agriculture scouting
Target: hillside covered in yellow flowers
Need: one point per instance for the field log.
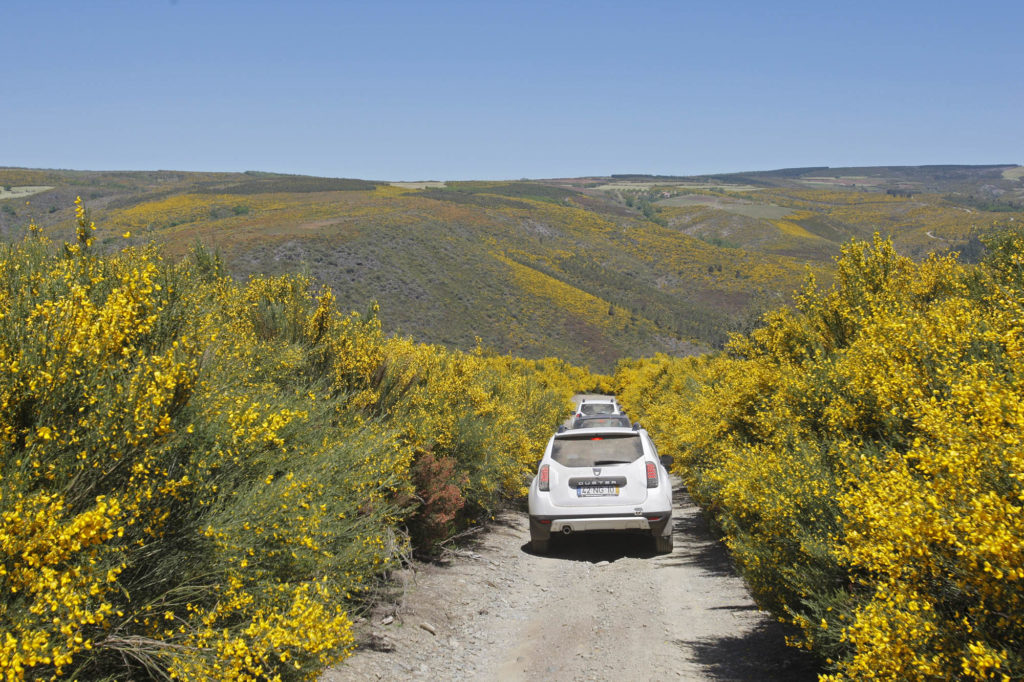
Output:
(588, 269)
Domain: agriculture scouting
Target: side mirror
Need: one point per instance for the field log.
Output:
(561, 428)
(666, 461)
(636, 426)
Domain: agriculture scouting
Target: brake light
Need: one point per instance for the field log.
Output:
(544, 480)
(652, 475)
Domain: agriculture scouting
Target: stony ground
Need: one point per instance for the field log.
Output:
(596, 608)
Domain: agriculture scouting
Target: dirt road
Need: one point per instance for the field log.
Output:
(596, 608)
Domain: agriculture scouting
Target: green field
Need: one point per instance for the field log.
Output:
(9, 192)
(419, 185)
(744, 208)
(644, 186)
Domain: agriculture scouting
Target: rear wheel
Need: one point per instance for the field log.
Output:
(663, 544)
(540, 536)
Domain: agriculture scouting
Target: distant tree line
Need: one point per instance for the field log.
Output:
(298, 183)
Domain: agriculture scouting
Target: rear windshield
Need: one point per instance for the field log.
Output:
(591, 422)
(591, 451)
(597, 408)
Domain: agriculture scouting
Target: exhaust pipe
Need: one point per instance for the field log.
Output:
(566, 530)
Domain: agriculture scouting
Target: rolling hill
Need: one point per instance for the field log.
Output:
(587, 269)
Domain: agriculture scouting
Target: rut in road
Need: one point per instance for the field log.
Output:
(596, 608)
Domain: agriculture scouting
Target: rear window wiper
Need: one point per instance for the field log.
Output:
(610, 461)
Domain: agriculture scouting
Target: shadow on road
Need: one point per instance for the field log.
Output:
(695, 544)
(761, 653)
(596, 547)
(756, 656)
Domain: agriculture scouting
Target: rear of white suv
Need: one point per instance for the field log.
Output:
(594, 406)
(601, 479)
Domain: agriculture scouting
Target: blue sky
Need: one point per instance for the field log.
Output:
(484, 90)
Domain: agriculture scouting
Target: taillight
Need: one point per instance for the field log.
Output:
(544, 480)
(652, 475)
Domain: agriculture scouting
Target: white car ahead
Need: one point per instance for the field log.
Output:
(601, 479)
(592, 406)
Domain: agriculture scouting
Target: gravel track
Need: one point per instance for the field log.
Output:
(596, 608)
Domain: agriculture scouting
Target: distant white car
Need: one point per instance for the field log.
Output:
(590, 421)
(591, 406)
(601, 479)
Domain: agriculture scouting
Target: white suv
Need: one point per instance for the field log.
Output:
(591, 406)
(601, 479)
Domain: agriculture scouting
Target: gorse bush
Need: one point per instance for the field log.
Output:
(863, 457)
(200, 479)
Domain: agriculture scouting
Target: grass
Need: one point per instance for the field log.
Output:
(299, 183)
(751, 210)
(518, 190)
(419, 185)
(645, 186)
(845, 181)
(21, 192)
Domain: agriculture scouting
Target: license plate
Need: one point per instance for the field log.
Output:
(596, 491)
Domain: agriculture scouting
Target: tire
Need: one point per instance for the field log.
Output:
(663, 544)
(540, 536)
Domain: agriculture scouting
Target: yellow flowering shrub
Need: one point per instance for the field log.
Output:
(862, 455)
(201, 479)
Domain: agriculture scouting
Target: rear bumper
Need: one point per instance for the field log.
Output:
(614, 523)
(542, 527)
